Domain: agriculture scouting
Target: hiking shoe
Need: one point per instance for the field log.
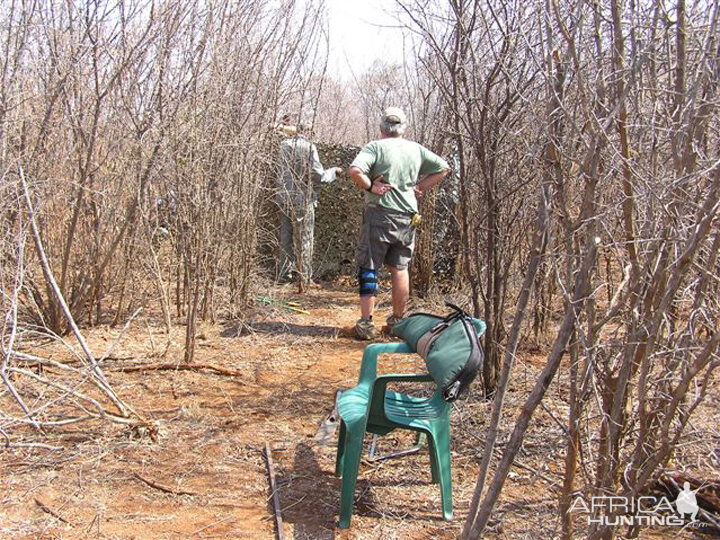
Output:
(392, 320)
(365, 329)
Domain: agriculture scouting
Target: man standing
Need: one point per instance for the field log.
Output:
(394, 171)
(300, 173)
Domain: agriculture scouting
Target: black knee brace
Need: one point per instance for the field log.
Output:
(367, 279)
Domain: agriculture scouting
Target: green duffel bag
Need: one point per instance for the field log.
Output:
(450, 346)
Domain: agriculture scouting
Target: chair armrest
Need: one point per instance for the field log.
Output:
(368, 369)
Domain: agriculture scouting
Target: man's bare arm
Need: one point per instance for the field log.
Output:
(431, 180)
(359, 178)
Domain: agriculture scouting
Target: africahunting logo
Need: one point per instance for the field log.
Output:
(641, 511)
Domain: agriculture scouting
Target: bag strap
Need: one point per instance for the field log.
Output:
(471, 368)
(457, 311)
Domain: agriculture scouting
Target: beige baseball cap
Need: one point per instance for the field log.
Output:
(394, 115)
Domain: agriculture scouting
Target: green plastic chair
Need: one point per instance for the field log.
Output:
(370, 407)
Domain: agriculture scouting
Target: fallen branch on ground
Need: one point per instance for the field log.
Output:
(161, 487)
(8, 444)
(98, 377)
(47, 509)
(67, 391)
(182, 367)
(708, 498)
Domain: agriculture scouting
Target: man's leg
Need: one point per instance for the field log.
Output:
(367, 306)
(367, 279)
(370, 254)
(304, 224)
(400, 290)
(398, 259)
(307, 230)
(286, 260)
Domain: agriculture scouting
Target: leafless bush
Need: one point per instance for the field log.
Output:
(46, 394)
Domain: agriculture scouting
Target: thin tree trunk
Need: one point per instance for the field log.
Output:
(538, 392)
(539, 245)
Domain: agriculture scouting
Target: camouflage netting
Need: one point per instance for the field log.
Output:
(338, 215)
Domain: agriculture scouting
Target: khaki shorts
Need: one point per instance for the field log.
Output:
(386, 237)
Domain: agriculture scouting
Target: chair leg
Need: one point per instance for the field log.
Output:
(340, 449)
(435, 474)
(351, 464)
(440, 443)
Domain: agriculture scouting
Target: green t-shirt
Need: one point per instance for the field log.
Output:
(402, 163)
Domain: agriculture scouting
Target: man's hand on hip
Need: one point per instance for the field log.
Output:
(379, 186)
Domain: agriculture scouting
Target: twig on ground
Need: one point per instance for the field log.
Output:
(289, 506)
(47, 509)
(162, 488)
(33, 360)
(101, 411)
(206, 527)
(185, 367)
(112, 346)
(9, 444)
(549, 480)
